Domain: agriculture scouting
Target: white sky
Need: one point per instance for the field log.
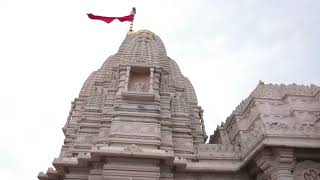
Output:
(48, 48)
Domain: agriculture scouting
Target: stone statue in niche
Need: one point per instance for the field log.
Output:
(139, 80)
(139, 86)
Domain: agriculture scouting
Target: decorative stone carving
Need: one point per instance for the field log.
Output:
(133, 148)
(217, 150)
(139, 129)
(293, 129)
(88, 139)
(307, 170)
(139, 86)
(276, 163)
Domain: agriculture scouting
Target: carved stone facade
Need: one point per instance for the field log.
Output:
(137, 118)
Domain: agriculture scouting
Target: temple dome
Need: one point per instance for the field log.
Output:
(142, 48)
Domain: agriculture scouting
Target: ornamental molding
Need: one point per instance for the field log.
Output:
(135, 129)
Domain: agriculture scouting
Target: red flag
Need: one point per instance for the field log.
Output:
(110, 19)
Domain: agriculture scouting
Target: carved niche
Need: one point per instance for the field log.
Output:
(139, 79)
(307, 170)
(133, 148)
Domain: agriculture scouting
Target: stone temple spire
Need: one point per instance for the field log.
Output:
(137, 118)
(137, 105)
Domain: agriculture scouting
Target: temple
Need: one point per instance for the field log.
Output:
(137, 118)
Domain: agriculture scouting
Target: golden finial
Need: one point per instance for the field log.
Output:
(261, 82)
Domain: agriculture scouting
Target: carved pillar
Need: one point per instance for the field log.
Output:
(127, 78)
(124, 73)
(202, 124)
(276, 163)
(151, 80)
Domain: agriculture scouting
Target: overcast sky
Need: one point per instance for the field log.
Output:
(48, 49)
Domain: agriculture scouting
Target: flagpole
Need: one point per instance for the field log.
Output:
(133, 12)
(131, 26)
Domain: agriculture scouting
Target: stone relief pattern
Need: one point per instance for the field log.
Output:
(135, 129)
(133, 148)
(311, 175)
(306, 170)
(218, 150)
(87, 139)
(295, 129)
